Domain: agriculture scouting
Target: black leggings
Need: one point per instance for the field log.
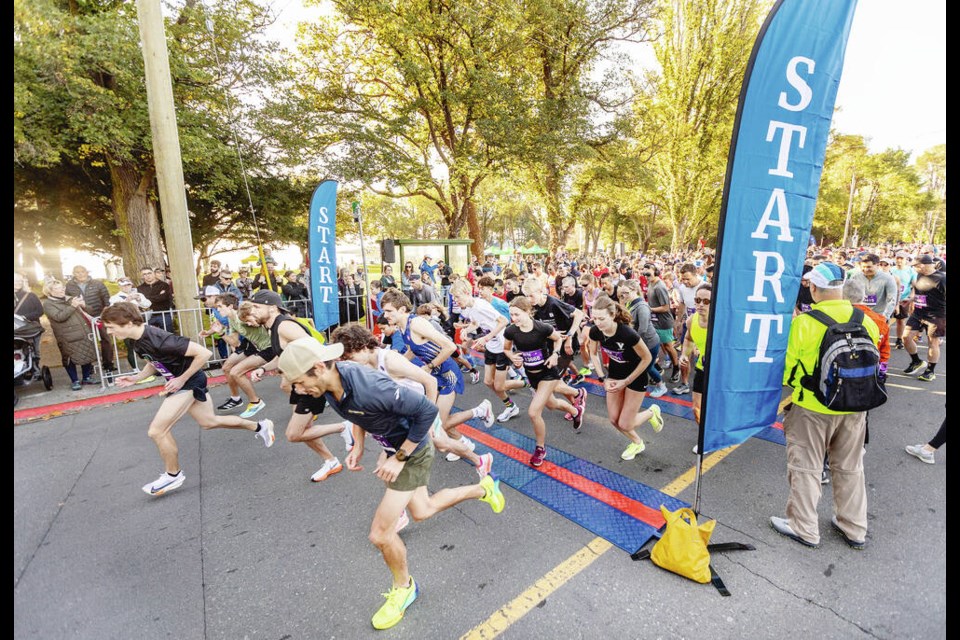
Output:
(940, 439)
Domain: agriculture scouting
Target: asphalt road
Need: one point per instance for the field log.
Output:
(249, 548)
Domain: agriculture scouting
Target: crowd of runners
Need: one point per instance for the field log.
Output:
(636, 324)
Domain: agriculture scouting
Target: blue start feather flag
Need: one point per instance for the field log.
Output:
(773, 176)
(323, 255)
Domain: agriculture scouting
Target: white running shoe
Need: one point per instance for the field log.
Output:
(484, 411)
(266, 432)
(510, 412)
(164, 484)
(486, 463)
(658, 390)
(329, 468)
(347, 434)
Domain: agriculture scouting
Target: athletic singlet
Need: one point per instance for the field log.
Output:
(275, 332)
(699, 336)
(403, 382)
(449, 378)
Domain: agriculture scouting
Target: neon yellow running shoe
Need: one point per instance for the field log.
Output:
(492, 496)
(398, 599)
(633, 450)
(656, 420)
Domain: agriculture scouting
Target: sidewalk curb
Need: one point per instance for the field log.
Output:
(47, 412)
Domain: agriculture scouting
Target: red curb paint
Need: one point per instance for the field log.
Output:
(98, 401)
(617, 500)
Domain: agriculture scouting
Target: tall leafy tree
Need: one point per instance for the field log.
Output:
(565, 42)
(416, 98)
(687, 116)
(80, 108)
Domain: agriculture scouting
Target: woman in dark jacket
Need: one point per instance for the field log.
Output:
(351, 300)
(295, 291)
(72, 331)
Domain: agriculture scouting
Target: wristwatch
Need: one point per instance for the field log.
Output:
(401, 455)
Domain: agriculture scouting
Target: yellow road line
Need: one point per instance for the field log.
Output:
(563, 572)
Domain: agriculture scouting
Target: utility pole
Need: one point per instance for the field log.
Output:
(166, 150)
(846, 225)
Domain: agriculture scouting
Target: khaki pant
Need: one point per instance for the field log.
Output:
(810, 435)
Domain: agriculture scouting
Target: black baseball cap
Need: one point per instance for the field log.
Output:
(267, 297)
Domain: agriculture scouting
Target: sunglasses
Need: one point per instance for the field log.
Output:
(701, 300)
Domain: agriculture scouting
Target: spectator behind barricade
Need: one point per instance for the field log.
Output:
(422, 292)
(160, 295)
(128, 294)
(429, 269)
(244, 283)
(213, 277)
(26, 305)
(407, 277)
(444, 272)
(270, 280)
(351, 300)
(95, 298)
(387, 281)
(72, 332)
(208, 298)
(225, 284)
(373, 303)
(295, 292)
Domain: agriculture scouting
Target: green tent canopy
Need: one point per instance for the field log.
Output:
(535, 249)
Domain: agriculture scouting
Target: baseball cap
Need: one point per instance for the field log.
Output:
(302, 354)
(886, 260)
(123, 281)
(902, 254)
(267, 297)
(427, 258)
(208, 291)
(926, 259)
(826, 275)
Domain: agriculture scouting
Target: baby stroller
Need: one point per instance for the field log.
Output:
(26, 356)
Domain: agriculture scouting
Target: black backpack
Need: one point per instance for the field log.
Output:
(846, 377)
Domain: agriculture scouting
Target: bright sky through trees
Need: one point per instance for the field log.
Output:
(893, 89)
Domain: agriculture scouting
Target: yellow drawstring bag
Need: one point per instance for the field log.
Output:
(683, 547)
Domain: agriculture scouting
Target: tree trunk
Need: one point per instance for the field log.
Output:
(473, 227)
(136, 216)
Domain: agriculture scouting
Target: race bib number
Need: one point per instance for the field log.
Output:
(616, 356)
(870, 299)
(384, 443)
(920, 301)
(532, 358)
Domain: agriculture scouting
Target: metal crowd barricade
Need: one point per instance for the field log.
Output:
(353, 309)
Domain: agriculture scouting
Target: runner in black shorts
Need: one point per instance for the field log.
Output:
(267, 311)
(254, 352)
(929, 315)
(532, 340)
(483, 317)
(180, 361)
(626, 380)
